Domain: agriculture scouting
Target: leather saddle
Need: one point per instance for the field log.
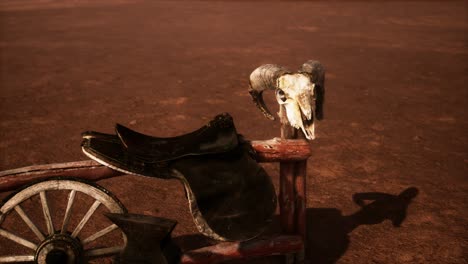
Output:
(230, 195)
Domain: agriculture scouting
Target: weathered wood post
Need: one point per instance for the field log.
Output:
(292, 193)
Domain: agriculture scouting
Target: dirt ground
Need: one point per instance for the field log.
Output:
(395, 116)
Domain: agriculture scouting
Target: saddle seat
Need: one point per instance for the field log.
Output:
(218, 136)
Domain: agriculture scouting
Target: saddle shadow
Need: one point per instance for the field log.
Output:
(328, 230)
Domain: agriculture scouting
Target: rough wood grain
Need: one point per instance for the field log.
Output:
(292, 196)
(300, 190)
(272, 150)
(300, 183)
(87, 169)
(286, 199)
(276, 150)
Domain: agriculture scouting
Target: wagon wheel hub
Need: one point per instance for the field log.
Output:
(63, 242)
(59, 249)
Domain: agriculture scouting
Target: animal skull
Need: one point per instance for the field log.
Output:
(300, 95)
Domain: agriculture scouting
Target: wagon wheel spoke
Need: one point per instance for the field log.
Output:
(17, 239)
(46, 210)
(99, 252)
(99, 234)
(66, 218)
(15, 259)
(28, 221)
(54, 238)
(85, 219)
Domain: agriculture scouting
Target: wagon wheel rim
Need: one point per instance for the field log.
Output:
(63, 240)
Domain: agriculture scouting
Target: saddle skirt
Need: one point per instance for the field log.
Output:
(230, 195)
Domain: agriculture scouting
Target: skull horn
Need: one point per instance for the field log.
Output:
(316, 72)
(262, 78)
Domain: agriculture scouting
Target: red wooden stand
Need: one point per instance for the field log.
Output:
(292, 154)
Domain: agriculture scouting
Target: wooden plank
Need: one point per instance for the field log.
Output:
(272, 150)
(278, 245)
(54, 167)
(276, 150)
(87, 170)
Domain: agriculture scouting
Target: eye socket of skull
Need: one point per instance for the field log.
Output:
(280, 95)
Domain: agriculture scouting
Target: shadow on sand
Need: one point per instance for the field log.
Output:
(328, 229)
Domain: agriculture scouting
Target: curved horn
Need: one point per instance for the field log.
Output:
(262, 78)
(316, 71)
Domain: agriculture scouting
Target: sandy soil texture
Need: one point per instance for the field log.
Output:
(395, 118)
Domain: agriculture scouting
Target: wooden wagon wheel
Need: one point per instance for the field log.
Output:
(62, 242)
